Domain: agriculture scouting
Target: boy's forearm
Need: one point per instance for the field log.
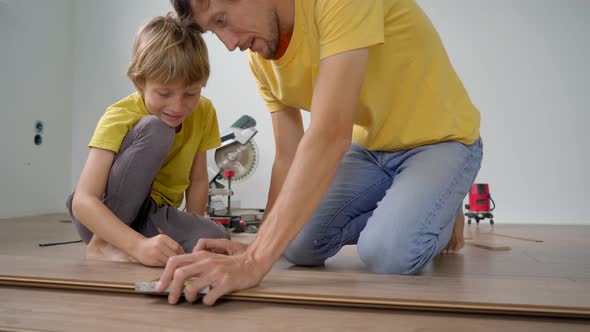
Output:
(97, 217)
(197, 196)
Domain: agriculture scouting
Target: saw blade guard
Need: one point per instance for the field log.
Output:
(240, 158)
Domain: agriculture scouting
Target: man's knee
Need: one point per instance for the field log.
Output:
(392, 256)
(304, 253)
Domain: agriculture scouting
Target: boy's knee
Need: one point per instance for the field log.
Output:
(152, 123)
(152, 128)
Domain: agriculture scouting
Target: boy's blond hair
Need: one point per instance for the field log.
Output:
(168, 50)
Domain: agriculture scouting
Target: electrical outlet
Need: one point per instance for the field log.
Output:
(38, 138)
(39, 127)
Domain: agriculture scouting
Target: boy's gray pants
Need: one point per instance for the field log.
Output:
(129, 185)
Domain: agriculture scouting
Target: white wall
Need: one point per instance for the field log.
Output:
(104, 33)
(35, 84)
(524, 64)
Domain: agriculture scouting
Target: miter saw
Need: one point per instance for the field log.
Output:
(235, 160)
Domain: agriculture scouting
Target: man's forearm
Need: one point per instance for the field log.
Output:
(309, 178)
(328, 138)
(280, 169)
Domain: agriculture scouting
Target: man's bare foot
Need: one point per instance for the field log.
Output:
(456, 242)
(99, 249)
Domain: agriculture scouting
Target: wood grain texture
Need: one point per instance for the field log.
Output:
(559, 297)
(91, 311)
(513, 237)
(493, 246)
(551, 275)
(561, 255)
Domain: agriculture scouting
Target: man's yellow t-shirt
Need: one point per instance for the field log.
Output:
(199, 132)
(411, 95)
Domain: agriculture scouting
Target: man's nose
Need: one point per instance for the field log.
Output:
(229, 39)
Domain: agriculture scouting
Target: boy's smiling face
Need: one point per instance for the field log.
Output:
(171, 102)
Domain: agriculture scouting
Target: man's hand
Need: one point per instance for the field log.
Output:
(222, 273)
(221, 246)
(155, 251)
(456, 242)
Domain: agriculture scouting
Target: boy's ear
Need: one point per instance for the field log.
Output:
(139, 87)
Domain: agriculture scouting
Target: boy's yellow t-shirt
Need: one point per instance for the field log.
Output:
(411, 95)
(199, 132)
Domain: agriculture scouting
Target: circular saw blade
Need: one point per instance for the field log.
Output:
(241, 158)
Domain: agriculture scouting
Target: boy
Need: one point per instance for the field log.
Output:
(147, 151)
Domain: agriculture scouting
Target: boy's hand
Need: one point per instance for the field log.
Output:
(221, 246)
(155, 251)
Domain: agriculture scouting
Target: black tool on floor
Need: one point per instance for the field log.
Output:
(57, 243)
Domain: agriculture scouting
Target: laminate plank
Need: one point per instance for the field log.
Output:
(525, 296)
(87, 311)
(514, 237)
(550, 275)
(488, 245)
(561, 255)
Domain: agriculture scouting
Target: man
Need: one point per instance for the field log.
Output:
(392, 149)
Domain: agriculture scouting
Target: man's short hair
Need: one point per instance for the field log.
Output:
(168, 49)
(184, 11)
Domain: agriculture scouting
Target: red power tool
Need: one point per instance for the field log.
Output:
(479, 203)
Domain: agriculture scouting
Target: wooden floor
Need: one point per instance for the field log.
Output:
(559, 261)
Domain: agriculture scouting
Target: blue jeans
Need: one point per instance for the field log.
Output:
(397, 207)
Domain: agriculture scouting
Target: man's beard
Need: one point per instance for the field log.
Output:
(273, 43)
